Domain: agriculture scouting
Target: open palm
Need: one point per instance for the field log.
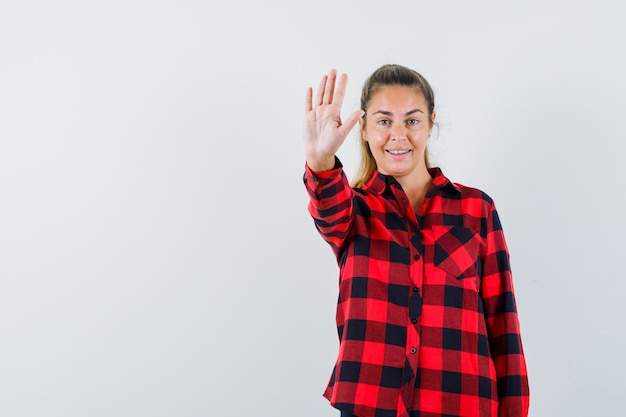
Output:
(324, 131)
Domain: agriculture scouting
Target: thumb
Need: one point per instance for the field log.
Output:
(350, 122)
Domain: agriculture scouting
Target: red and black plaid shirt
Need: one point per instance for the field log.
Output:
(426, 313)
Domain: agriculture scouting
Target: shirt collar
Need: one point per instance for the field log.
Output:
(379, 182)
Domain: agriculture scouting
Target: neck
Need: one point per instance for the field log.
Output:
(416, 185)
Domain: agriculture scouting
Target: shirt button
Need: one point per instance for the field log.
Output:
(413, 321)
(413, 350)
(415, 289)
(416, 257)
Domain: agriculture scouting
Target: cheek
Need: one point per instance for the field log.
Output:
(377, 144)
(423, 133)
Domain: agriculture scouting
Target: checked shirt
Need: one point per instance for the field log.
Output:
(426, 314)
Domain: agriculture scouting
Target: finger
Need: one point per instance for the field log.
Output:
(350, 122)
(308, 96)
(341, 90)
(319, 97)
(330, 87)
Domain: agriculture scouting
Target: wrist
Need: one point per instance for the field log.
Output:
(321, 164)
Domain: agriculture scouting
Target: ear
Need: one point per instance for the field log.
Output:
(433, 117)
(362, 126)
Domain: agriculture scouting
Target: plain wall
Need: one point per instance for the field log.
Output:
(156, 256)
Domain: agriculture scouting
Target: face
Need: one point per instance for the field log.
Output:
(397, 126)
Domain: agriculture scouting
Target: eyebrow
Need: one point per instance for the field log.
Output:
(388, 113)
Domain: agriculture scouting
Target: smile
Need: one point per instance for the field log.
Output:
(398, 151)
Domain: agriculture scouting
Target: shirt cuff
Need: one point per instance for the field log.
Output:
(314, 180)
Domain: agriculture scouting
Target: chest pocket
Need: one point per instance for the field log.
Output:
(456, 249)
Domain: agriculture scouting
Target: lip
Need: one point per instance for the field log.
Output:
(398, 156)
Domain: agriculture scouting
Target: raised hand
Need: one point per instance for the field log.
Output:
(324, 132)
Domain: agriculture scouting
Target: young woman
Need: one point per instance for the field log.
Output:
(426, 314)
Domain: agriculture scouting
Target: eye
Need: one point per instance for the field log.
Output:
(383, 122)
(413, 122)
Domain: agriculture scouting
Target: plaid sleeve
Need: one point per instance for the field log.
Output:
(330, 204)
(502, 321)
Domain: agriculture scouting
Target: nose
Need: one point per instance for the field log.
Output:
(398, 132)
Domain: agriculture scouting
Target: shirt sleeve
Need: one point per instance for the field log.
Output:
(331, 204)
(502, 321)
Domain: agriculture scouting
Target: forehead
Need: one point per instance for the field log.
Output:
(401, 97)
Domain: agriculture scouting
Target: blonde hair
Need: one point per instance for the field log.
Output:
(388, 75)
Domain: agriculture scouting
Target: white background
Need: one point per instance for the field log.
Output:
(156, 256)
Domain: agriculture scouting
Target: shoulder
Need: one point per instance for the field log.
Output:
(460, 191)
(473, 193)
(473, 204)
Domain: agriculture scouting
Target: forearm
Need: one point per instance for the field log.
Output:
(502, 321)
(330, 203)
